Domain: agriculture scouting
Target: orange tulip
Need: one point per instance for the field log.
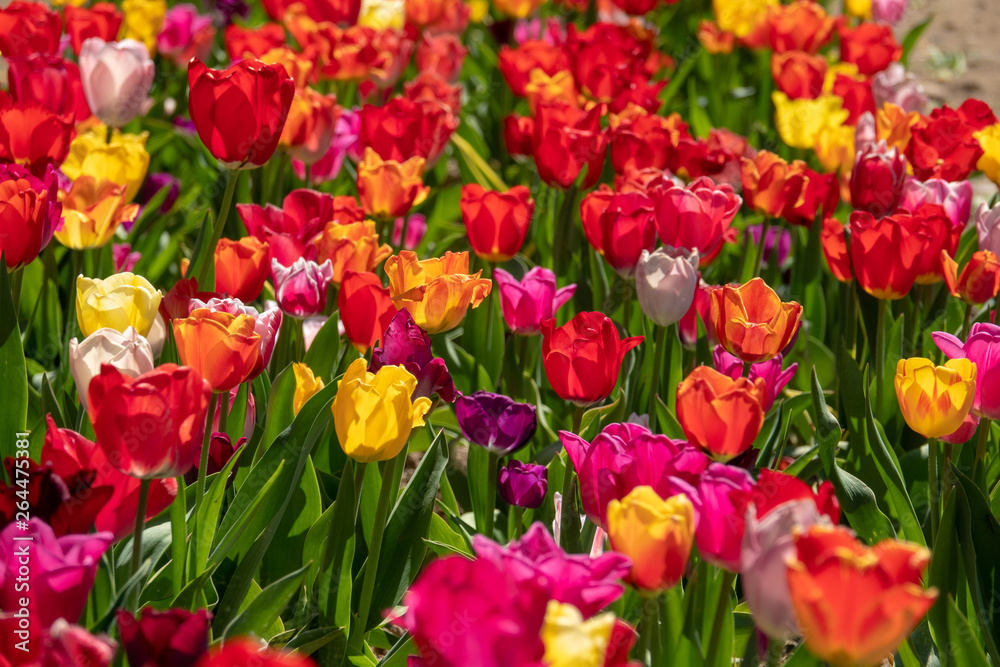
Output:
(350, 247)
(223, 348)
(436, 291)
(308, 130)
(752, 322)
(856, 604)
(388, 189)
(770, 184)
(720, 415)
(241, 267)
(92, 211)
(980, 279)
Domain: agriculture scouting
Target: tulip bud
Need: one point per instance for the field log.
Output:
(300, 289)
(127, 351)
(877, 180)
(169, 638)
(407, 345)
(665, 283)
(116, 79)
(534, 298)
(495, 422)
(523, 484)
(307, 385)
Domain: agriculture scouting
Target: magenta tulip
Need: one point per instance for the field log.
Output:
(982, 348)
(534, 298)
(300, 289)
(954, 198)
(719, 535)
(775, 379)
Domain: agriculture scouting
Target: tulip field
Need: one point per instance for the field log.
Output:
(493, 333)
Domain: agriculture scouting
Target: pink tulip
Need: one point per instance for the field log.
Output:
(955, 198)
(345, 144)
(589, 584)
(300, 289)
(535, 298)
(624, 456)
(720, 525)
(125, 260)
(416, 227)
(186, 34)
(266, 324)
(697, 217)
(62, 571)
(61, 645)
(982, 348)
(775, 378)
(988, 228)
(889, 11)
(865, 136)
(897, 86)
(116, 79)
(964, 432)
(877, 179)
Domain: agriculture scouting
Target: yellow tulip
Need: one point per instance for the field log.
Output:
(860, 8)
(436, 291)
(143, 21)
(117, 302)
(989, 141)
(800, 122)
(388, 189)
(935, 399)
(92, 210)
(740, 17)
(655, 533)
(373, 412)
(382, 14)
(123, 161)
(307, 385)
(835, 149)
(571, 641)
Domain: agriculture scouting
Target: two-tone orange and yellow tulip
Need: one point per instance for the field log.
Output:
(222, 347)
(350, 247)
(935, 400)
(752, 322)
(388, 189)
(718, 414)
(92, 211)
(437, 291)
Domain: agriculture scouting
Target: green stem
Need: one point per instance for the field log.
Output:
(518, 523)
(140, 523)
(359, 478)
(16, 280)
(178, 536)
(721, 616)
(202, 267)
(199, 488)
(564, 227)
(650, 631)
(491, 494)
(880, 355)
(402, 234)
(654, 381)
(374, 550)
(223, 412)
(981, 443)
(967, 321)
(759, 258)
(932, 486)
(775, 650)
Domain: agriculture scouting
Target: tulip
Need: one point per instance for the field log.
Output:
(92, 212)
(123, 257)
(241, 41)
(60, 644)
(645, 142)
(220, 450)
(620, 226)
(223, 348)
(241, 652)
(102, 19)
(241, 267)
(722, 492)
(350, 247)
(571, 641)
(696, 217)
(441, 54)
(870, 46)
(34, 137)
(266, 325)
(720, 415)
(740, 18)
(798, 74)
(116, 79)
(49, 82)
(988, 227)
(856, 604)
(523, 484)
(307, 385)
(437, 292)
(496, 222)
(31, 213)
(944, 145)
(982, 348)
(143, 20)
(124, 160)
(388, 189)
(884, 254)
(566, 141)
(656, 534)
(802, 25)
(127, 351)
(878, 179)
(582, 358)
(402, 129)
(241, 111)
(801, 123)
(534, 298)
(819, 195)
(405, 344)
(934, 400)
(300, 289)
(373, 412)
(770, 184)
(117, 302)
(415, 227)
(169, 638)
(186, 34)
(62, 571)
(27, 28)
(980, 278)
(151, 426)
(495, 422)
(955, 198)
(308, 132)
(894, 85)
(752, 322)
(665, 283)
(71, 456)
(365, 309)
(775, 379)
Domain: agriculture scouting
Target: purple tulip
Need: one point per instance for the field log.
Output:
(535, 298)
(954, 198)
(523, 484)
(775, 236)
(897, 86)
(720, 527)
(171, 638)
(406, 344)
(589, 584)
(982, 348)
(775, 378)
(154, 183)
(300, 289)
(227, 9)
(495, 422)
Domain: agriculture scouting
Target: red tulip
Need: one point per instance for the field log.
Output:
(169, 638)
(240, 112)
(256, 42)
(645, 142)
(102, 19)
(403, 128)
(884, 254)
(516, 64)
(802, 25)
(857, 97)
(496, 222)
(582, 358)
(30, 213)
(241, 267)
(980, 279)
(442, 54)
(246, 653)
(877, 179)
(49, 82)
(150, 426)
(798, 74)
(366, 308)
(566, 141)
(619, 226)
(870, 46)
(943, 145)
(834, 241)
(35, 137)
(820, 193)
(697, 216)
(27, 28)
(935, 232)
(518, 134)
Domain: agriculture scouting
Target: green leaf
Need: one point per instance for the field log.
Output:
(943, 571)
(595, 419)
(329, 639)
(477, 471)
(321, 357)
(13, 372)
(206, 518)
(279, 410)
(911, 38)
(669, 425)
(334, 582)
(444, 541)
(964, 648)
(267, 606)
